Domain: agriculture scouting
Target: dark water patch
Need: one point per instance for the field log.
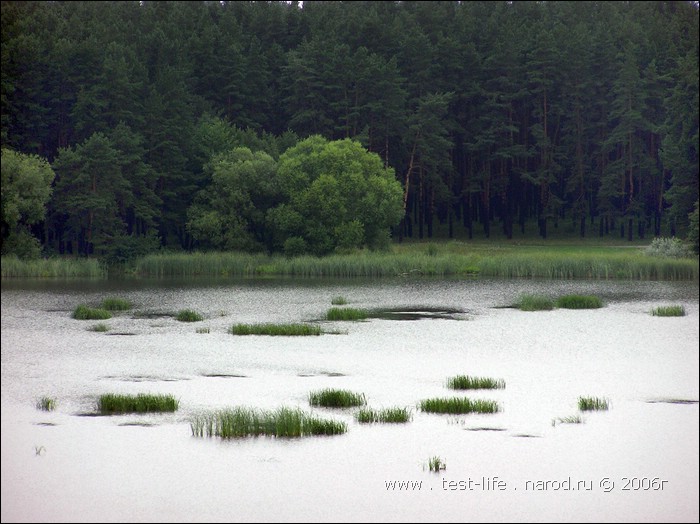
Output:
(153, 314)
(144, 378)
(125, 334)
(671, 401)
(486, 429)
(141, 424)
(45, 424)
(417, 313)
(322, 373)
(88, 414)
(223, 375)
(526, 435)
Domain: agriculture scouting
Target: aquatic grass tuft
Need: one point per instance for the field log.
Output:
(467, 382)
(99, 328)
(338, 313)
(83, 312)
(142, 403)
(668, 311)
(339, 301)
(245, 422)
(436, 464)
(386, 415)
(534, 303)
(284, 330)
(579, 302)
(337, 398)
(573, 419)
(46, 403)
(187, 315)
(592, 404)
(116, 304)
(203, 330)
(458, 405)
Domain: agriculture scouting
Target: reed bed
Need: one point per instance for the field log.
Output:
(46, 403)
(142, 403)
(280, 330)
(99, 328)
(187, 315)
(668, 311)
(346, 313)
(458, 405)
(244, 422)
(386, 415)
(83, 312)
(337, 398)
(579, 302)
(436, 464)
(534, 303)
(467, 382)
(593, 404)
(13, 267)
(116, 304)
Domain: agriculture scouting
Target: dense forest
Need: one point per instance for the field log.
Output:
(129, 127)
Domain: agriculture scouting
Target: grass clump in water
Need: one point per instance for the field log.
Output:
(187, 315)
(337, 398)
(203, 330)
(573, 419)
(339, 301)
(668, 311)
(245, 422)
(466, 382)
(99, 328)
(283, 330)
(46, 403)
(592, 404)
(458, 405)
(349, 313)
(436, 464)
(534, 303)
(387, 415)
(116, 304)
(142, 403)
(83, 312)
(579, 302)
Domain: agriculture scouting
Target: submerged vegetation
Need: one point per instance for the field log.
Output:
(83, 312)
(579, 302)
(336, 398)
(187, 315)
(46, 403)
(467, 382)
(282, 330)
(339, 301)
(668, 311)
(386, 415)
(142, 403)
(99, 328)
(458, 405)
(534, 303)
(592, 404)
(573, 419)
(244, 422)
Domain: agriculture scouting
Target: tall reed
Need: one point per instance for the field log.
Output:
(142, 403)
(283, 330)
(592, 404)
(386, 415)
(467, 382)
(579, 302)
(83, 312)
(336, 398)
(458, 405)
(668, 311)
(13, 267)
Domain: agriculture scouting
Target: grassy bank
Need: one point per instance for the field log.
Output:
(13, 267)
(497, 259)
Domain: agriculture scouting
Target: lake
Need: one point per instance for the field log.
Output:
(637, 461)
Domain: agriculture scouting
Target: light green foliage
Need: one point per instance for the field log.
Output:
(26, 188)
(668, 311)
(667, 247)
(343, 194)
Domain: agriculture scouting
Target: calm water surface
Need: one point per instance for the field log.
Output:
(64, 466)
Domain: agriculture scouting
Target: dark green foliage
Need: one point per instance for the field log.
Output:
(592, 404)
(142, 403)
(467, 382)
(280, 330)
(83, 312)
(244, 422)
(534, 303)
(336, 398)
(340, 313)
(579, 302)
(339, 301)
(187, 315)
(116, 304)
(458, 405)
(46, 403)
(386, 415)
